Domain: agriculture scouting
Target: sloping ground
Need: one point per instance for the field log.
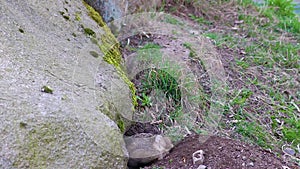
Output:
(263, 97)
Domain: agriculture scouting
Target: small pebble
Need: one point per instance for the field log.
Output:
(289, 151)
(251, 164)
(198, 157)
(202, 167)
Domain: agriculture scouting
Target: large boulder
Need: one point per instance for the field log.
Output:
(58, 97)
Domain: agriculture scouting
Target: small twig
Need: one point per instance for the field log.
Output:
(156, 122)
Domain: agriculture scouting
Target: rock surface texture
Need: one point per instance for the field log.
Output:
(48, 43)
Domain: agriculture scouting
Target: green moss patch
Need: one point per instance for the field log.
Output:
(94, 54)
(37, 143)
(89, 32)
(110, 47)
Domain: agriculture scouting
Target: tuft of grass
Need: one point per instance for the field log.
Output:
(283, 10)
(292, 132)
(192, 53)
(164, 84)
(162, 80)
(146, 100)
(200, 20)
(172, 20)
(255, 133)
(282, 7)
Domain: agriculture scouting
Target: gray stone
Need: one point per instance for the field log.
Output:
(109, 10)
(145, 147)
(202, 167)
(198, 157)
(116, 9)
(251, 164)
(43, 43)
(289, 151)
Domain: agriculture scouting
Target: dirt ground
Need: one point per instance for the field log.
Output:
(220, 153)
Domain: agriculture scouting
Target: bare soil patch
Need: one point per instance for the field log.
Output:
(220, 153)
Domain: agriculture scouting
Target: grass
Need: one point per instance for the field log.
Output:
(192, 53)
(162, 79)
(284, 11)
(262, 61)
(263, 98)
(276, 58)
(146, 100)
(159, 78)
(200, 20)
(254, 132)
(172, 20)
(164, 84)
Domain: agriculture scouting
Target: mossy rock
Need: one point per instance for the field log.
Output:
(64, 128)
